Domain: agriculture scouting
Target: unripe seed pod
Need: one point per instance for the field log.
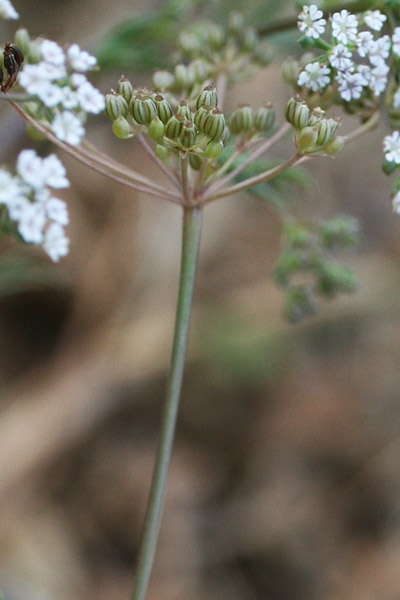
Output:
(208, 97)
(264, 118)
(306, 140)
(183, 109)
(199, 70)
(164, 109)
(250, 40)
(195, 161)
(125, 88)
(116, 106)
(183, 78)
(214, 149)
(156, 129)
(214, 124)
(290, 71)
(122, 129)
(23, 40)
(316, 116)
(215, 36)
(297, 113)
(200, 118)
(226, 135)
(189, 42)
(326, 130)
(242, 119)
(163, 80)
(174, 127)
(162, 152)
(335, 145)
(143, 109)
(235, 23)
(188, 135)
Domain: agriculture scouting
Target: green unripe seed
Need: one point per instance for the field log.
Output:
(174, 127)
(162, 152)
(156, 129)
(297, 113)
(183, 109)
(143, 109)
(335, 145)
(23, 40)
(200, 118)
(235, 23)
(188, 135)
(316, 116)
(164, 109)
(214, 125)
(208, 97)
(264, 118)
(195, 162)
(242, 119)
(199, 70)
(121, 128)
(125, 89)
(116, 106)
(163, 80)
(290, 71)
(183, 77)
(214, 149)
(307, 139)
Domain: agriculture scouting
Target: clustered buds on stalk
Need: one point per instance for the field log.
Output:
(244, 121)
(314, 134)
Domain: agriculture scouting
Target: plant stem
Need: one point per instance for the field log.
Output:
(185, 179)
(192, 220)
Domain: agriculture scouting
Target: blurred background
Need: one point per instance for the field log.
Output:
(285, 479)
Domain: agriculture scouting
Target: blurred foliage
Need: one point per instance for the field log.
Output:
(21, 274)
(147, 42)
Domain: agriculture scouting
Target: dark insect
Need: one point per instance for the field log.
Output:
(13, 59)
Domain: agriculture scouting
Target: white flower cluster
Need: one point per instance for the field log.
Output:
(355, 58)
(7, 11)
(39, 216)
(59, 82)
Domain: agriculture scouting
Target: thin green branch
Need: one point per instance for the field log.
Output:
(192, 221)
(17, 97)
(185, 179)
(153, 156)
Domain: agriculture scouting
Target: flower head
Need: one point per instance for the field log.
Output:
(315, 76)
(7, 11)
(68, 128)
(55, 242)
(311, 21)
(391, 147)
(344, 26)
(374, 19)
(80, 60)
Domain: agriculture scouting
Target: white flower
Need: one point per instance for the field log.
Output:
(29, 168)
(379, 77)
(396, 41)
(11, 190)
(396, 99)
(340, 58)
(52, 53)
(89, 98)
(56, 242)
(391, 147)
(57, 211)
(50, 94)
(17, 207)
(77, 79)
(396, 203)
(54, 172)
(350, 86)
(33, 77)
(7, 11)
(31, 223)
(364, 41)
(344, 26)
(315, 76)
(374, 19)
(364, 71)
(311, 22)
(80, 60)
(70, 99)
(68, 128)
(54, 72)
(379, 50)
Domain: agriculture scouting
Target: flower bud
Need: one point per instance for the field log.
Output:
(23, 40)
(156, 129)
(199, 70)
(264, 118)
(116, 106)
(122, 129)
(163, 80)
(143, 109)
(200, 118)
(297, 113)
(173, 127)
(189, 43)
(235, 24)
(242, 119)
(164, 109)
(290, 71)
(188, 134)
(306, 140)
(162, 152)
(214, 124)
(195, 161)
(208, 97)
(183, 78)
(183, 109)
(125, 88)
(214, 149)
(34, 53)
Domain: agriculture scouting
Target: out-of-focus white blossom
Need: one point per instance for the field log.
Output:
(68, 128)
(56, 242)
(89, 98)
(80, 60)
(374, 19)
(391, 147)
(52, 53)
(7, 11)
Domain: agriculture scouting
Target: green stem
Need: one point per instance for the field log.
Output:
(192, 220)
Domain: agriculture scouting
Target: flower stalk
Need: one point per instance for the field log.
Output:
(191, 231)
